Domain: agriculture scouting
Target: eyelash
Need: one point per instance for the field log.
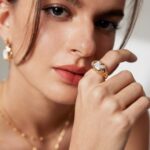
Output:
(55, 8)
(56, 11)
(107, 25)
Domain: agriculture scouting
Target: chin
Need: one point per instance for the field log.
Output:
(61, 93)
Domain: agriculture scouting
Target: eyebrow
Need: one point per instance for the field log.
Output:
(112, 13)
(74, 2)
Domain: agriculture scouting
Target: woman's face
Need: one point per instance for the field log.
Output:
(71, 35)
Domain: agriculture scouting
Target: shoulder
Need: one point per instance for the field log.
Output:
(139, 136)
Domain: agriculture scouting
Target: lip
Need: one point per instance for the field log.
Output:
(71, 74)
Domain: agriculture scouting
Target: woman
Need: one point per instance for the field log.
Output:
(53, 97)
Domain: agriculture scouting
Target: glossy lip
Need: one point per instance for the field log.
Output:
(71, 73)
(73, 68)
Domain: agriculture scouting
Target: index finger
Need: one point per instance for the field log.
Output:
(113, 58)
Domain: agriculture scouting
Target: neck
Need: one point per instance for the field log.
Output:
(30, 110)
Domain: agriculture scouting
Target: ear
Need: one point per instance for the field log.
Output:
(5, 20)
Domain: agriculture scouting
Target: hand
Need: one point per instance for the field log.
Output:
(106, 111)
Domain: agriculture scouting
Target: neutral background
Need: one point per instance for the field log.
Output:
(140, 45)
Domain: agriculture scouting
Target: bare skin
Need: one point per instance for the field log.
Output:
(109, 100)
(39, 93)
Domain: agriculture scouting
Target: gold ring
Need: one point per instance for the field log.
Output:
(100, 68)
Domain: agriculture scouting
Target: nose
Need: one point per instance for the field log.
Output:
(82, 41)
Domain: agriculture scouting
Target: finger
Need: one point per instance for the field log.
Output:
(119, 81)
(91, 78)
(111, 61)
(135, 110)
(113, 58)
(129, 95)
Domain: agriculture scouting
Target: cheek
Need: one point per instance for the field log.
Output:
(50, 39)
(37, 67)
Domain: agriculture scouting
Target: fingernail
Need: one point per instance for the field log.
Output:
(133, 57)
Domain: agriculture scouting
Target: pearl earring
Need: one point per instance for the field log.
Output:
(7, 25)
(7, 52)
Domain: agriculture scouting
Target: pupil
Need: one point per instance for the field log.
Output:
(57, 11)
(102, 23)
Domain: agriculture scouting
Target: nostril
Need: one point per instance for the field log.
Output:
(79, 53)
(74, 50)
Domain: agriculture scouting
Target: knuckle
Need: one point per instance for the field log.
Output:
(111, 105)
(99, 92)
(146, 101)
(114, 55)
(122, 121)
(139, 87)
(128, 75)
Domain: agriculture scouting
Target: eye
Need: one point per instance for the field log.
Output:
(106, 25)
(57, 11)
